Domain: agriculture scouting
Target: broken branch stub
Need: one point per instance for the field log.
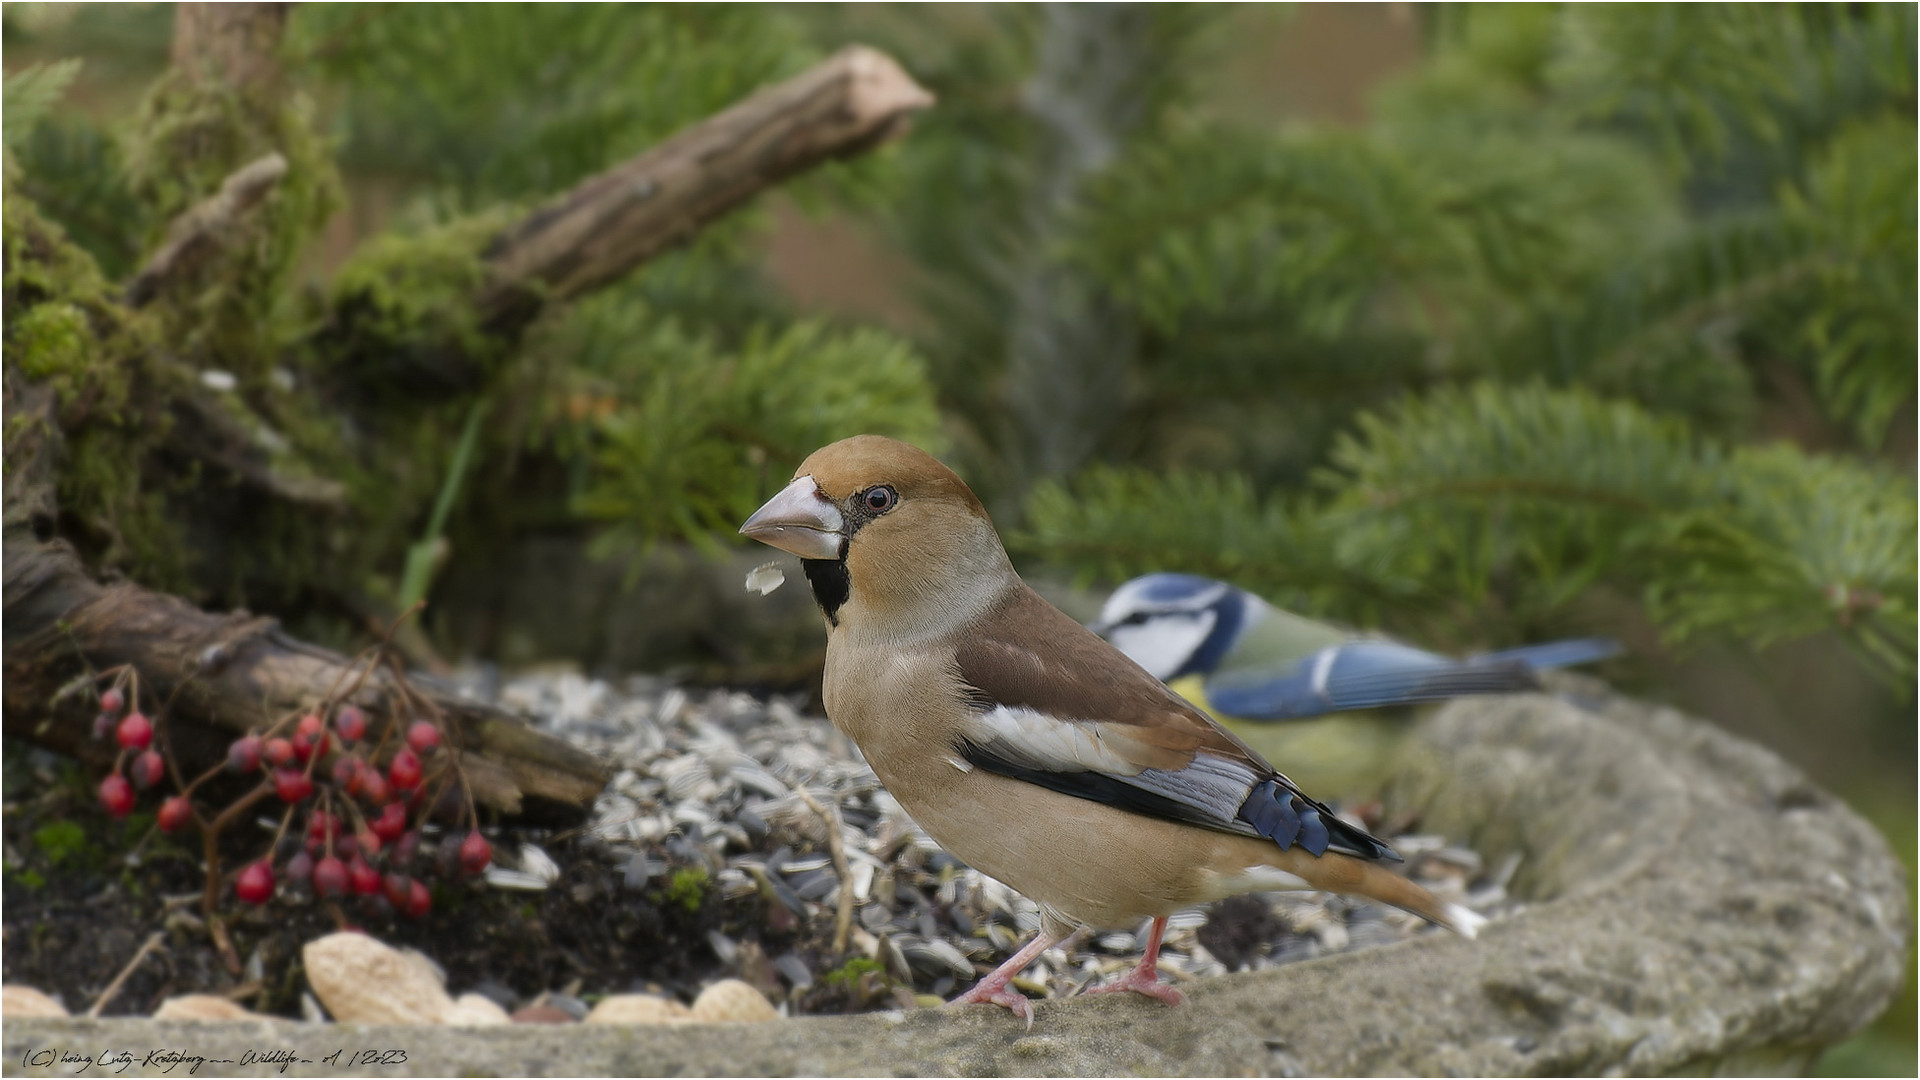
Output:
(612, 222)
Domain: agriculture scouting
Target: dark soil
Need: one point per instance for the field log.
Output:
(84, 891)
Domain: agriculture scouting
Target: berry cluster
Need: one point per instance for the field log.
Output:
(362, 820)
(139, 765)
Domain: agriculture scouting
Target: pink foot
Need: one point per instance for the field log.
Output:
(1145, 976)
(1143, 980)
(1002, 995)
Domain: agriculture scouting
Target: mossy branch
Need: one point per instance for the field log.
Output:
(197, 235)
(611, 223)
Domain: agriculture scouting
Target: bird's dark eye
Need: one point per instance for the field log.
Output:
(1135, 619)
(879, 499)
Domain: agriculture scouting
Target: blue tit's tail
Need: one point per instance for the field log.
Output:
(1554, 654)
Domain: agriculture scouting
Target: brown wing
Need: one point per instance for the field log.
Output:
(1057, 706)
(1039, 658)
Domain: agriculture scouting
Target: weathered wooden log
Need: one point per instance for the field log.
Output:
(222, 675)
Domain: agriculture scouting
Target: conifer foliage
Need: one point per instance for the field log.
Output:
(1598, 296)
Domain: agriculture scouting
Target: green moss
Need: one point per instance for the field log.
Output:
(406, 303)
(60, 841)
(193, 134)
(54, 340)
(687, 889)
(847, 976)
(29, 879)
(64, 328)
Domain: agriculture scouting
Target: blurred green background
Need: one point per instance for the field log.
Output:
(1479, 324)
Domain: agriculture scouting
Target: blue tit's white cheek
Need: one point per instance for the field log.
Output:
(1163, 643)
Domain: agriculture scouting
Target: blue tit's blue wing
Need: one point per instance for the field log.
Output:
(1362, 675)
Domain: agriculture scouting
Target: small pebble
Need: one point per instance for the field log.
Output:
(202, 1007)
(18, 1002)
(542, 1014)
(639, 1009)
(794, 970)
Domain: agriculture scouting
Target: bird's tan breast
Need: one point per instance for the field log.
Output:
(1092, 863)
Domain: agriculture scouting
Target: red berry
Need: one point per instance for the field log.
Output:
(299, 868)
(345, 768)
(292, 785)
(350, 722)
(419, 901)
(307, 746)
(330, 877)
(112, 701)
(404, 770)
(398, 888)
(370, 844)
(405, 848)
(255, 884)
(365, 879)
(475, 853)
(391, 823)
(346, 845)
(244, 755)
(323, 825)
(309, 726)
(277, 752)
(373, 787)
(175, 814)
(135, 732)
(148, 769)
(423, 736)
(116, 795)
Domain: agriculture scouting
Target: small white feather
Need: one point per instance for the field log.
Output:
(765, 578)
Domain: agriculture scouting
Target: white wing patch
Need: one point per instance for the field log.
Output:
(1060, 745)
(1211, 786)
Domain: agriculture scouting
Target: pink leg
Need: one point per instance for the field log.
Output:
(1145, 977)
(993, 989)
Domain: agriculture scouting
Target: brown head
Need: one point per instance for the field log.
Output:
(893, 542)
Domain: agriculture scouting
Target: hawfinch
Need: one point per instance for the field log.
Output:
(1026, 745)
(1237, 656)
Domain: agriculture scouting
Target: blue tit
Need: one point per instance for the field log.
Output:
(1241, 657)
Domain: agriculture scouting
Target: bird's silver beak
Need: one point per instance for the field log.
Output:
(801, 519)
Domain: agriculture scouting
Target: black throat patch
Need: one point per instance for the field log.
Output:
(830, 583)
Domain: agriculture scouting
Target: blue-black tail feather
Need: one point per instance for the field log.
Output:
(1279, 812)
